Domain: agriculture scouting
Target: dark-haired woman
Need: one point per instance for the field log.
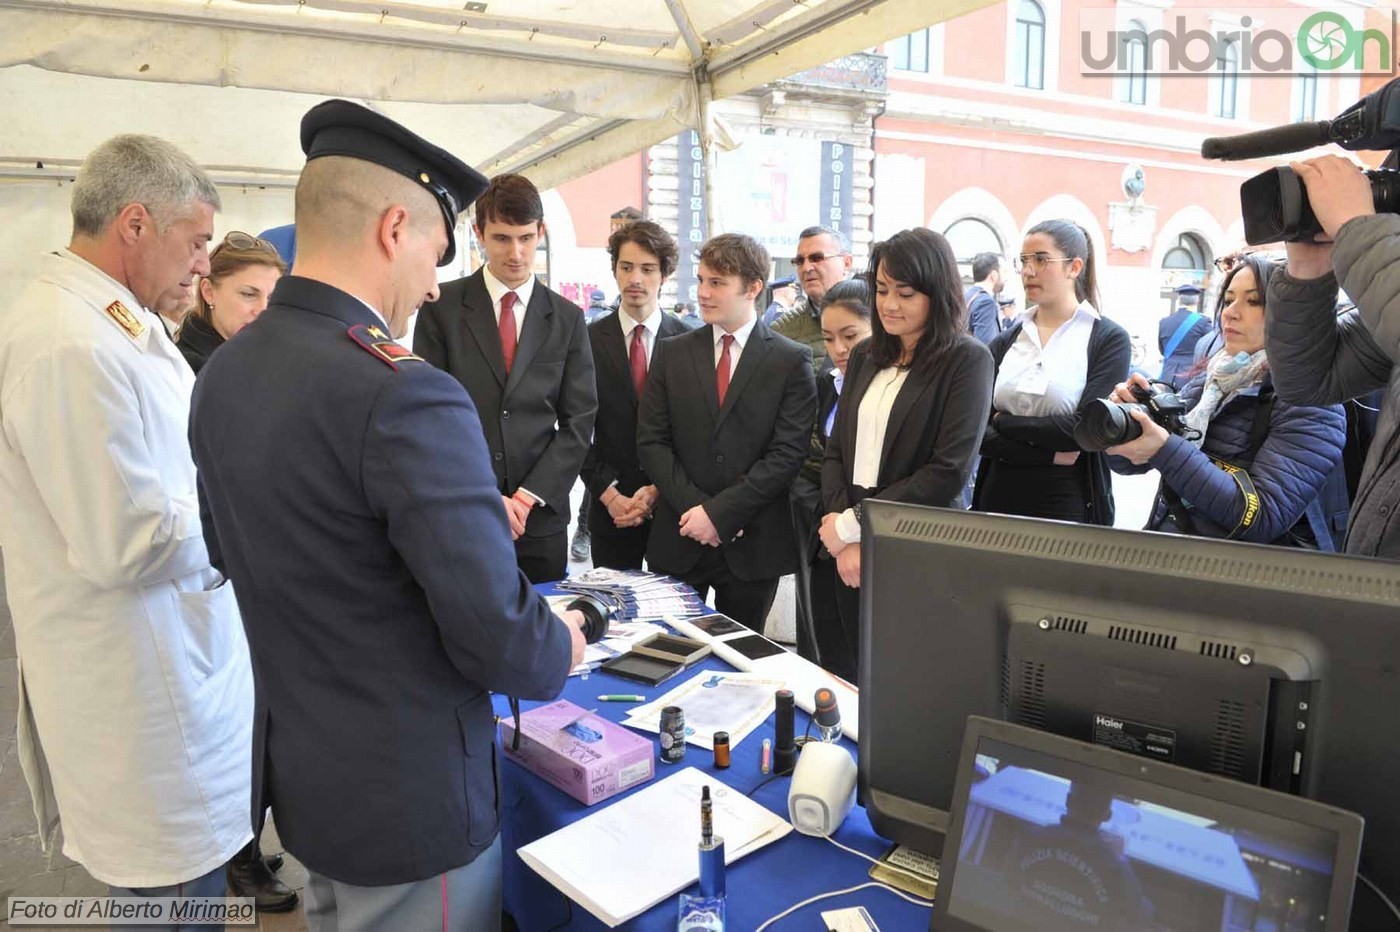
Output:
(913, 405)
(1060, 355)
(1280, 455)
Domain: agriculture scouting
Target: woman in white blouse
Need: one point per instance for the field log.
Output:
(1060, 355)
(913, 404)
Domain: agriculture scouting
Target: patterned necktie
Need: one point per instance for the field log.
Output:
(507, 327)
(637, 357)
(722, 370)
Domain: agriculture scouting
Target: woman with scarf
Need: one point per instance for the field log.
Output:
(1247, 465)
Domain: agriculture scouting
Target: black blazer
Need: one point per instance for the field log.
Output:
(1034, 441)
(934, 430)
(551, 383)
(738, 461)
(613, 455)
(350, 499)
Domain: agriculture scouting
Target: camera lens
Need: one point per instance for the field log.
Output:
(1103, 424)
(1385, 190)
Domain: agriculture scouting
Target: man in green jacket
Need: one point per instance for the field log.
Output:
(823, 259)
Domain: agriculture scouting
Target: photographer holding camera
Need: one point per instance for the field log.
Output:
(1322, 358)
(1239, 463)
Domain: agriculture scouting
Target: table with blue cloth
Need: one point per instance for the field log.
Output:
(760, 885)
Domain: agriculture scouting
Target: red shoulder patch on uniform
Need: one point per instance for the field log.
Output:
(378, 344)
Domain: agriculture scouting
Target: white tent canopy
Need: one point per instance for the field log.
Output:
(553, 88)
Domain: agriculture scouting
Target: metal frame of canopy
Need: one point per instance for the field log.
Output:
(571, 87)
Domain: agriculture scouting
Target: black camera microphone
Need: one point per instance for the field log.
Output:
(784, 741)
(1277, 140)
(826, 715)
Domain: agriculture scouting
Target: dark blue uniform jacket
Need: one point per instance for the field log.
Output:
(349, 496)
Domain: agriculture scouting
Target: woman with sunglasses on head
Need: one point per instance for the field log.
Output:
(243, 270)
(1059, 356)
(242, 273)
(1247, 466)
(913, 403)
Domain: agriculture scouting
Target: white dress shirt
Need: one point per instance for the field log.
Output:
(650, 328)
(497, 289)
(872, 421)
(838, 379)
(1035, 380)
(741, 336)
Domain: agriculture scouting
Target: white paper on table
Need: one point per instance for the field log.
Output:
(712, 701)
(798, 674)
(624, 859)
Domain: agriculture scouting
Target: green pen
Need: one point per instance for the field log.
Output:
(621, 697)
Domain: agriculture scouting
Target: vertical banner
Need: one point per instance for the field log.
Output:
(837, 186)
(691, 221)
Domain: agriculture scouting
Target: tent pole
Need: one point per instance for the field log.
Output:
(711, 153)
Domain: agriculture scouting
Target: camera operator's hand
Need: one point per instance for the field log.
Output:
(1308, 261)
(1122, 392)
(1139, 451)
(1337, 189)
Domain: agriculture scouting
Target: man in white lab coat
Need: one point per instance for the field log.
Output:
(135, 711)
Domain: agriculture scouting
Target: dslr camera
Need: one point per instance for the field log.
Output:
(1275, 203)
(1105, 423)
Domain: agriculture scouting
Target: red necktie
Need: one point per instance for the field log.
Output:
(507, 325)
(722, 370)
(637, 357)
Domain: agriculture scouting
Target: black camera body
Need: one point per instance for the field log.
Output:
(1275, 203)
(1276, 208)
(1104, 423)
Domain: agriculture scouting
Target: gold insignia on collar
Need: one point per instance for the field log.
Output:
(376, 332)
(125, 319)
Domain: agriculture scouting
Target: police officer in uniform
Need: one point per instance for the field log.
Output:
(350, 496)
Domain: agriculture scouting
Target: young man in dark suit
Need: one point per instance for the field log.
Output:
(623, 343)
(521, 351)
(724, 426)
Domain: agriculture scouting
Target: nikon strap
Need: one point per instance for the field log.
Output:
(1258, 431)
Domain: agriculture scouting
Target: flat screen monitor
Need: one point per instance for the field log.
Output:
(1267, 664)
(1055, 835)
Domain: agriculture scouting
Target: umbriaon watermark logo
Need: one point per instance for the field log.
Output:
(1270, 40)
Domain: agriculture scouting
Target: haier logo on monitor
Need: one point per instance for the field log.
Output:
(1103, 721)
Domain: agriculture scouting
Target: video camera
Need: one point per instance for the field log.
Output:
(1105, 423)
(1275, 204)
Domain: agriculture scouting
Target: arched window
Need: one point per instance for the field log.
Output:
(1187, 261)
(1030, 45)
(968, 237)
(1227, 67)
(1134, 53)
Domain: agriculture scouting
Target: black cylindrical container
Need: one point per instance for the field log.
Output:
(672, 734)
